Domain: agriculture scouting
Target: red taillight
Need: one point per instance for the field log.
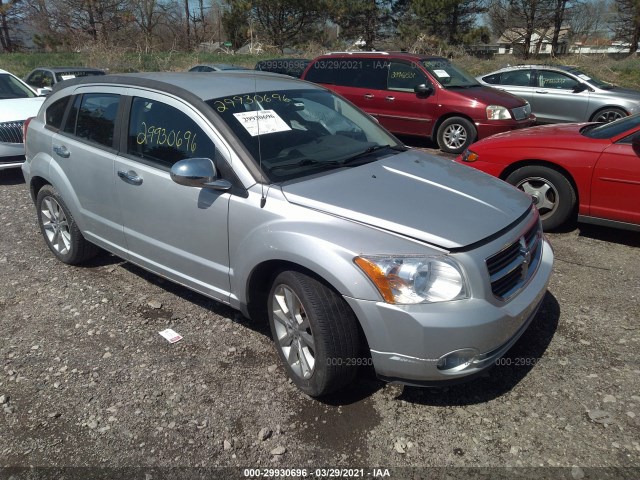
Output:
(24, 129)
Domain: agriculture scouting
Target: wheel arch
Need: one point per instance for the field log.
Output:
(606, 107)
(542, 163)
(36, 184)
(447, 116)
(258, 286)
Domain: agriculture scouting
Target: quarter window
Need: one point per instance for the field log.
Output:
(55, 113)
(97, 116)
(164, 135)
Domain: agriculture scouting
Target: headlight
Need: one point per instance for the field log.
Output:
(409, 280)
(496, 112)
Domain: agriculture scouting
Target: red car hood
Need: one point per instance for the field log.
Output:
(556, 134)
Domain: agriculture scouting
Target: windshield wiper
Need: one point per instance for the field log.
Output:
(370, 150)
(308, 162)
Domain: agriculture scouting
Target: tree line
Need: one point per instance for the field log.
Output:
(160, 25)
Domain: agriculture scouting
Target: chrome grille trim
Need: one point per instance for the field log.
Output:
(521, 113)
(511, 268)
(11, 132)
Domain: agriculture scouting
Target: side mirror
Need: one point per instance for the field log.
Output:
(423, 90)
(44, 91)
(581, 87)
(635, 143)
(198, 172)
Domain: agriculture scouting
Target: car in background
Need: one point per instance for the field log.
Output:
(565, 94)
(421, 95)
(18, 102)
(294, 67)
(215, 67)
(47, 77)
(586, 171)
(283, 200)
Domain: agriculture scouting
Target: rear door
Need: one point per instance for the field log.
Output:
(360, 80)
(518, 82)
(85, 151)
(176, 231)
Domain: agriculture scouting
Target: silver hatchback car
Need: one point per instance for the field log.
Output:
(565, 94)
(283, 200)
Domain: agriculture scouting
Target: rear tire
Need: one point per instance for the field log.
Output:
(455, 134)
(553, 193)
(315, 333)
(59, 229)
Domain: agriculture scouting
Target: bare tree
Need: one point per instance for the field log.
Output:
(627, 23)
(523, 17)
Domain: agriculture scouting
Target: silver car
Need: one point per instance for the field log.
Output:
(281, 199)
(565, 94)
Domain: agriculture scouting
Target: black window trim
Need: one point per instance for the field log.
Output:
(70, 99)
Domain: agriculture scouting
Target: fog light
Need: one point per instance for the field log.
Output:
(457, 360)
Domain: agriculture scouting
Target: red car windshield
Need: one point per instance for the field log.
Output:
(613, 129)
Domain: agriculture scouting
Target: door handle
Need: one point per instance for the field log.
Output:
(541, 91)
(390, 98)
(368, 96)
(130, 177)
(62, 151)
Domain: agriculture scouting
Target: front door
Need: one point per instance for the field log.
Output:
(176, 231)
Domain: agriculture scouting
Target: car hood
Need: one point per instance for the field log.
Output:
(17, 109)
(491, 96)
(417, 195)
(538, 136)
(619, 92)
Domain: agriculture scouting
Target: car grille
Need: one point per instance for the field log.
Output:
(521, 113)
(512, 267)
(11, 132)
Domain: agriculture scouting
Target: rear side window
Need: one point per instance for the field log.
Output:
(97, 116)
(163, 134)
(520, 78)
(350, 72)
(55, 113)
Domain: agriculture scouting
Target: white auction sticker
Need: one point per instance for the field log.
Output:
(67, 77)
(584, 77)
(170, 335)
(261, 122)
(441, 73)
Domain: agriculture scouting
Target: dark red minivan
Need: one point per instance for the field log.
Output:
(421, 95)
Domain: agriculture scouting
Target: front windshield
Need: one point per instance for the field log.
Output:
(613, 129)
(448, 74)
(11, 87)
(295, 133)
(591, 80)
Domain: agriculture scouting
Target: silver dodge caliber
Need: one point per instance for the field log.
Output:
(281, 199)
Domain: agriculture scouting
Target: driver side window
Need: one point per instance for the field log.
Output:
(404, 77)
(163, 135)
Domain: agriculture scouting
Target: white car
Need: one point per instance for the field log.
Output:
(18, 102)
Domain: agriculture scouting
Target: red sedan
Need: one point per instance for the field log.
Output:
(588, 170)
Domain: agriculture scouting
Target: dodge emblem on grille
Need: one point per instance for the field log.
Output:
(525, 251)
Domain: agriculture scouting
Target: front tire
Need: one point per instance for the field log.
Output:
(59, 229)
(552, 193)
(455, 134)
(608, 115)
(315, 333)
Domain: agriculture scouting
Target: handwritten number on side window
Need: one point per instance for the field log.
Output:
(152, 135)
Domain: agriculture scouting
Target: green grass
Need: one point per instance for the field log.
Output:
(624, 72)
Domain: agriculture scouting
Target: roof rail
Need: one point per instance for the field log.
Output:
(358, 53)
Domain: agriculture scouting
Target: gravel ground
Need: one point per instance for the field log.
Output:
(86, 380)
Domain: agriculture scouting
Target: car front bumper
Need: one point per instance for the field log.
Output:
(443, 342)
(11, 155)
